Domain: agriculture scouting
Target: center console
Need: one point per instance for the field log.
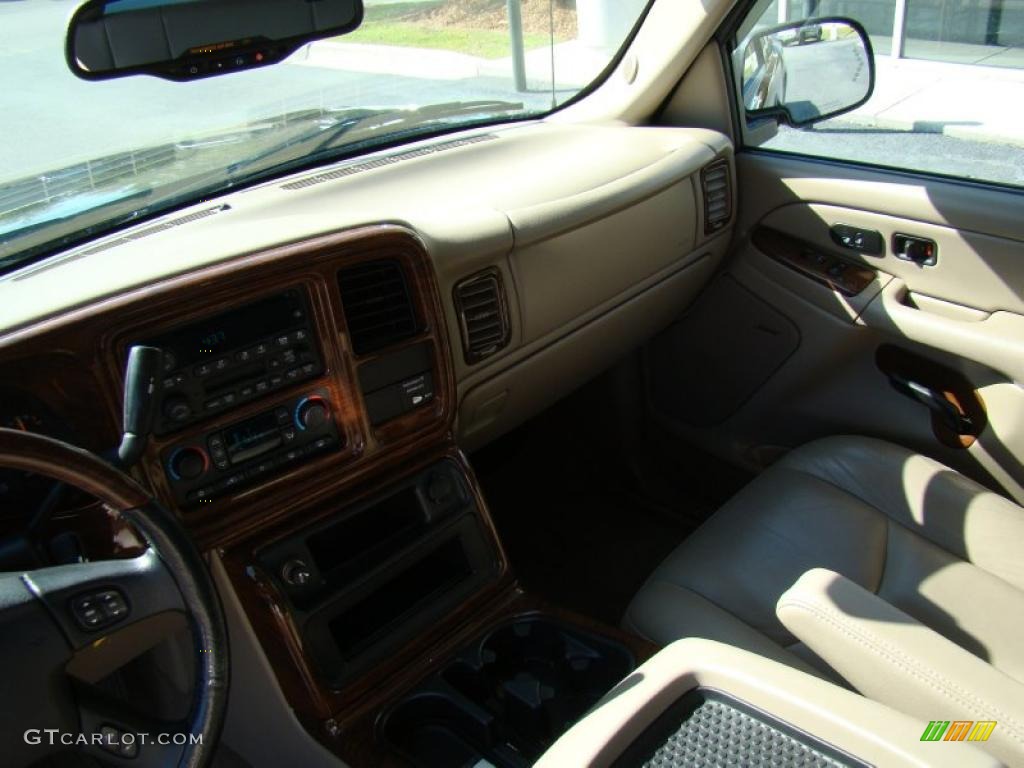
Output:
(504, 699)
(373, 576)
(304, 434)
(699, 702)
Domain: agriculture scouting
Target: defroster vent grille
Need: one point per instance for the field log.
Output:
(378, 306)
(483, 315)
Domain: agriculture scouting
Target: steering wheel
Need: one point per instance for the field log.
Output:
(49, 615)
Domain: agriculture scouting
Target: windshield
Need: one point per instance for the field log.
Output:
(81, 157)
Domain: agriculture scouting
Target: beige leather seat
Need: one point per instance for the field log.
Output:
(927, 540)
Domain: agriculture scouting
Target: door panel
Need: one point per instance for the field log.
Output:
(971, 269)
(961, 319)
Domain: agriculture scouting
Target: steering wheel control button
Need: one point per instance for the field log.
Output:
(97, 610)
(113, 741)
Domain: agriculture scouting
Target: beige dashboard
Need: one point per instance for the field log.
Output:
(532, 257)
(597, 235)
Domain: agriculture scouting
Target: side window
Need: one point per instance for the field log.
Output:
(949, 86)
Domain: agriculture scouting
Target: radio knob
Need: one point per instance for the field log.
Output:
(311, 412)
(176, 408)
(296, 573)
(189, 463)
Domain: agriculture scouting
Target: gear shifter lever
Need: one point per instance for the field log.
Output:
(140, 378)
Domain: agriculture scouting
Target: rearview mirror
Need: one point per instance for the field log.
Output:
(188, 39)
(807, 71)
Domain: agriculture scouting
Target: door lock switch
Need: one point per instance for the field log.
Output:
(866, 241)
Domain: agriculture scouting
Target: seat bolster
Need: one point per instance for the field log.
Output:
(930, 499)
(892, 658)
(972, 607)
(781, 525)
(664, 612)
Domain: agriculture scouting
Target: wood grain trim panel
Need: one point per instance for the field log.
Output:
(834, 272)
(346, 721)
(74, 364)
(269, 614)
(356, 737)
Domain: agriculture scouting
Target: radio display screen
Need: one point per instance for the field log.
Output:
(238, 328)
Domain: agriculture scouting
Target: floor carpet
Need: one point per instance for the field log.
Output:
(579, 527)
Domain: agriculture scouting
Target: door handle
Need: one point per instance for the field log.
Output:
(920, 250)
(936, 401)
(997, 341)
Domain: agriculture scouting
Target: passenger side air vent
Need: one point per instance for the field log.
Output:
(483, 315)
(715, 182)
(378, 305)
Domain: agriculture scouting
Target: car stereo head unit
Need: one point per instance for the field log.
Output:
(213, 364)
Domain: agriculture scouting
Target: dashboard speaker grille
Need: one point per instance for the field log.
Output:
(378, 306)
(716, 183)
(114, 242)
(483, 315)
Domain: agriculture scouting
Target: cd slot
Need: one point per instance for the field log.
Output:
(257, 449)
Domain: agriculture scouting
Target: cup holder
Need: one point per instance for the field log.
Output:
(507, 697)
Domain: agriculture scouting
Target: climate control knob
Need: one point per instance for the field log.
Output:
(189, 463)
(311, 412)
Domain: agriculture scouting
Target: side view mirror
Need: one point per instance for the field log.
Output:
(807, 71)
(188, 39)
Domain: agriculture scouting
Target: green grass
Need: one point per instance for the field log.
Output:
(485, 43)
(395, 24)
(399, 11)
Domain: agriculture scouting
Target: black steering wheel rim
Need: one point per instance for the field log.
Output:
(171, 553)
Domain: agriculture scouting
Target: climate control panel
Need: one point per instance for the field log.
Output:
(224, 460)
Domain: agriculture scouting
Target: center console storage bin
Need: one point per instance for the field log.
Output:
(369, 579)
(507, 697)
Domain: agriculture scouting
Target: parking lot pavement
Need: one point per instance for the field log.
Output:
(51, 119)
(976, 103)
(921, 109)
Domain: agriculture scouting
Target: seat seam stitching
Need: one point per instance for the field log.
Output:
(928, 675)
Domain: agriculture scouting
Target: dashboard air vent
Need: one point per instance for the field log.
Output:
(715, 182)
(483, 315)
(378, 305)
